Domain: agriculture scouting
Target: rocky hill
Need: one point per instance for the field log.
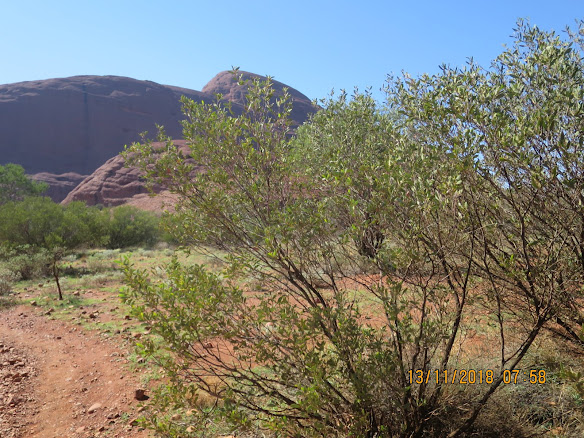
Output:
(60, 129)
(115, 184)
(76, 124)
(59, 185)
(225, 84)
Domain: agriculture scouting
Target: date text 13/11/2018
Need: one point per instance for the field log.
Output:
(471, 377)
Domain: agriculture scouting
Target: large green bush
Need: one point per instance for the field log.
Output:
(130, 226)
(381, 239)
(40, 222)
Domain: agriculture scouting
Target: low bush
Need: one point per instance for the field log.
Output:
(130, 226)
(6, 280)
(24, 262)
(31, 266)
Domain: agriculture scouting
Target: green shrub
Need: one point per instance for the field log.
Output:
(15, 185)
(7, 278)
(130, 226)
(31, 266)
(24, 262)
(378, 241)
(41, 223)
(48, 231)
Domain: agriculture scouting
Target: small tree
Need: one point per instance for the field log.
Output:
(40, 225)
(307, 219)
(15, 185)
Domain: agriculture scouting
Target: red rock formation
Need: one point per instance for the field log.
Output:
(76, 124)
(114, 184)
(59, 185)
(60, 126)
(226, 84)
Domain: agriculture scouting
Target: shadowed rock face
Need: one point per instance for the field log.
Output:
(76, 124)
(60, 129)
(59, 185)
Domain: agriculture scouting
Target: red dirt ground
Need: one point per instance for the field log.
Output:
(52, 372)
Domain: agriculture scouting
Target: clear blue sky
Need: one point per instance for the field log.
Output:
(313, 46)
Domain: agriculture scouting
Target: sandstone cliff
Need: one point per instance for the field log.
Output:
(61, 129)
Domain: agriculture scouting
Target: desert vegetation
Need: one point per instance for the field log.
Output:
(15, 185)
(36, 233)
(406, 268)
(374, 253)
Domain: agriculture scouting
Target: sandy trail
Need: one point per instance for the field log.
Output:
(51, 374)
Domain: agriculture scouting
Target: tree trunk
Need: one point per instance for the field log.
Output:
(56, 275)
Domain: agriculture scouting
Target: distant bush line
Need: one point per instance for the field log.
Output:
(36, 233)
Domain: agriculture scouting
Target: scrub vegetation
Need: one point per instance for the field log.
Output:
(410, 268)
(377, 251)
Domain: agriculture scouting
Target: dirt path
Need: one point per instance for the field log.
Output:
(57, 380)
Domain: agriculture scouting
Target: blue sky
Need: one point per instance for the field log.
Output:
(314, 46)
